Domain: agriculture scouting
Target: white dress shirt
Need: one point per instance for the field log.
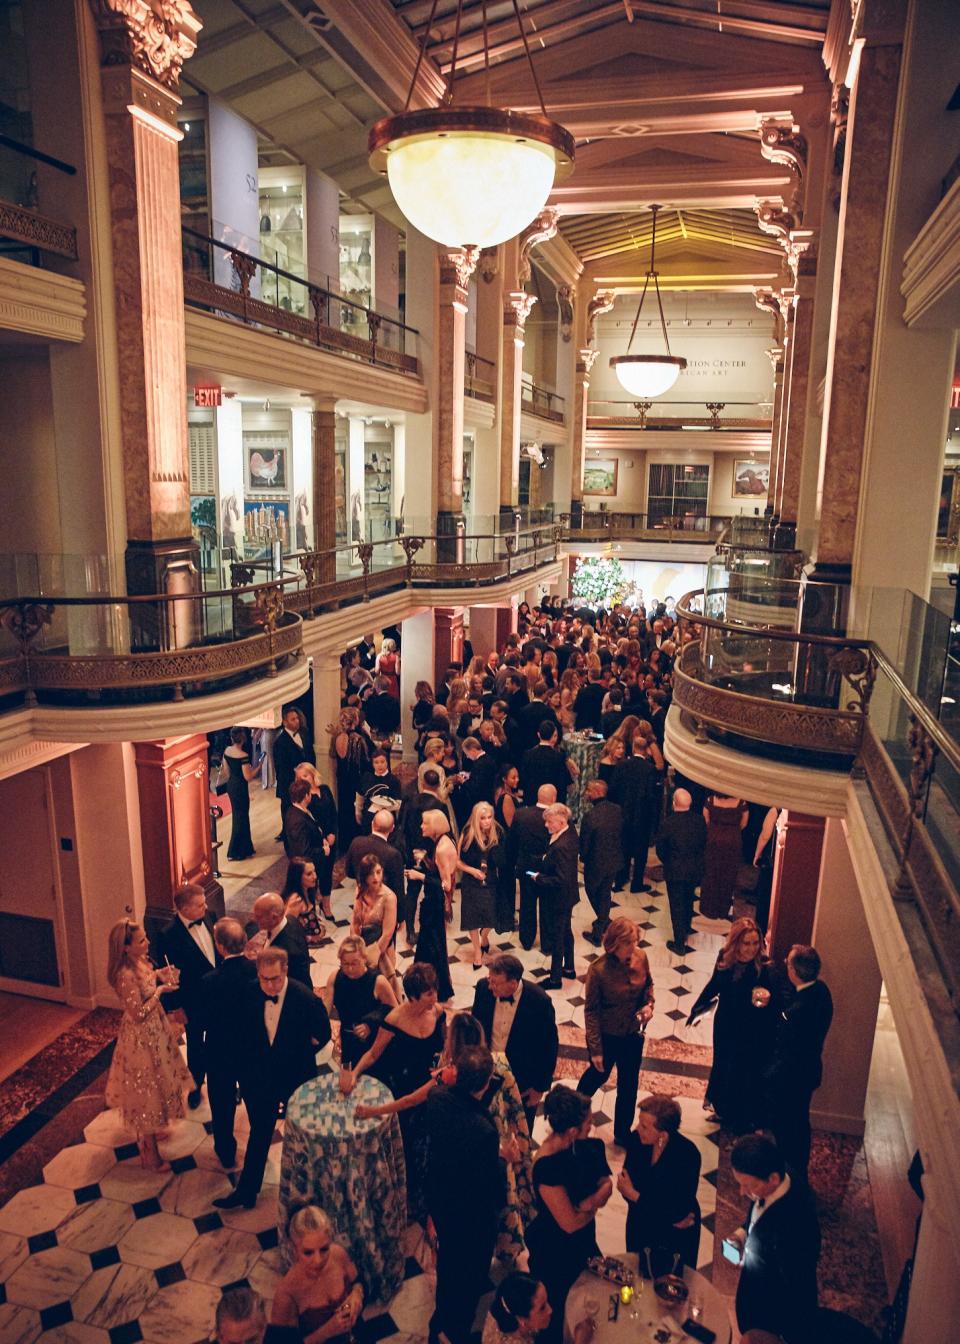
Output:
(504, 1011)
(272, 1011)
(296, 737)
(760, 1206)
(202, 937)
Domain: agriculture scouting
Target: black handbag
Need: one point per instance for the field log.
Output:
(748, 878)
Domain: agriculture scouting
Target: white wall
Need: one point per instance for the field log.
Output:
(301, 440)
(234, 192)
(386, 263)
(660, 578)
(323, 229)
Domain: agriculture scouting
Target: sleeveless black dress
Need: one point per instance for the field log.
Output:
(238, 791)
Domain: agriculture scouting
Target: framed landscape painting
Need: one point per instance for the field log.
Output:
(600, 476)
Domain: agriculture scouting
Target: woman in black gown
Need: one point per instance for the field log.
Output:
(323, 809)
(571, 1181)
(242, 770)
(659, 1181)
(744, 1028)
(352, 750)
(432, 935)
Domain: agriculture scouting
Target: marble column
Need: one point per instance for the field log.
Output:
(796, 874)
(455, 270)
(863, 208)
(775, 355)
(324, 489)
(448, 640)
(417, 664)
(586, 359)
(794, 417)
(326, 686)
(516, 309)
(141, 63)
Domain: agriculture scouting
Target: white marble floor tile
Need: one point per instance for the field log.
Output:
(82, 1164)
(221, 1257)
(266, 1274)
(131, 1182)
(186, 1136)
(74, 1332)
(260, 1218)
(191, 1194)
(39, 1208)
(157, 1240)
(205, 1157)
(108, 1129)
(13, 1252)
(413, 1305)
(19, 1325)
(114, 1295)
(180, 1312)
(48, 1277)
(92, 1226)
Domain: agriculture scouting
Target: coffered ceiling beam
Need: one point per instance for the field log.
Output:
(667, 188)
(769, 28)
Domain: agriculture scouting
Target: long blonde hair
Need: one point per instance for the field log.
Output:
(471, 832)
(118, 958)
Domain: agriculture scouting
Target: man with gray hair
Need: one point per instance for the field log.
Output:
(681, 846)
(240, 1317)
(527, 841)
(223, 993)
(557, 880)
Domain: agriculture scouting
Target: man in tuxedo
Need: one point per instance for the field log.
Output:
(545, 763)
(797, 1068)
(187, 943)
(601, 848)
(531, 716)
(389, 858)
(279, 932)
(480, 783)
(241, 1319)
(681, 847)
(588, 703)
(466, 1191)
(283, 1026)
(519, 1020)
(527, 841)
(633, 787)
(290, 748)
(780, 1245)
(302, 836)
(557, 879)
(223, 993)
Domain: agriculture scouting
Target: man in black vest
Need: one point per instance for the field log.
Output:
(519, 1020)
(187, 943)
(283, 1025)
(601, 848)
(797, 1068)
(223, 993)
(681, 846)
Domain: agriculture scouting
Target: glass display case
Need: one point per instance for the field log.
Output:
(340, 489)
(283, 237)
(356, 271)
(378, 487)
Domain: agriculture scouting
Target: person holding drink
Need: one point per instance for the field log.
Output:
(480, 861)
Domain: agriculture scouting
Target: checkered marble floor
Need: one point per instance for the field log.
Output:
(104, 1252)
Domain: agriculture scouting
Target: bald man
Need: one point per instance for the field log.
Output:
(681, 845)
(527, 841)
(270, 919)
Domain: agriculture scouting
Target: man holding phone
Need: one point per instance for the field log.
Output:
(777, 1248)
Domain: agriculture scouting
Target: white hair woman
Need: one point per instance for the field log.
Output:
(481, 861)
(320, 1296)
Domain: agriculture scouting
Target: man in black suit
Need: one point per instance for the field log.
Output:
(187, 943)
(272, 928)
(466, 1191)
(283, 1026)
(601, 848)
(389, 858)
(681, 846)
(479, 783)
(633, 788)
(588, 703)
(531, 716)
(780, 1245)
(797, 1068)
(290, 749)
(223, 993)
(519, 1020)
(527, 841)
(302, 836)
(545, 763)
(557, 878)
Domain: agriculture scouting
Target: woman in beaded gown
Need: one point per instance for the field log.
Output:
(147, 1077)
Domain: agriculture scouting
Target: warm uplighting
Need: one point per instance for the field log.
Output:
(470, 175)
(649, 376)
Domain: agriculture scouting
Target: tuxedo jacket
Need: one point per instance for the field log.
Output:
(601, 841)
(223, 996)
(588, 704)
(777, 1290)
(293, 942)
(558, 870)
(527, 838)
(174, 942)
(544, 765)
(272, 1072)
(529, 720)
(389, 858)
(286, 757)
(797, 1060)
(682, 846)
(302, 835)
(532, 1043)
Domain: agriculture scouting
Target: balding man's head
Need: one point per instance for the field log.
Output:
(382, 822)
(682, 801)
(547, 794)
(268, 910)
(595, 790)
(229, 937)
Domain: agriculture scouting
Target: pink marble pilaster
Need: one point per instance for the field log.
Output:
(775, 355)
(516, 310)
(586, 359)
(794, 418)
(324, 490)
(455, 270)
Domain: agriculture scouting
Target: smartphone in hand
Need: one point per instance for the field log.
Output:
(732, 1250)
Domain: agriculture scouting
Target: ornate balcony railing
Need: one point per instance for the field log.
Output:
(542, 401)
(603, 525)
(265, 295)
(479, 377)
(660, 414)
(23, 228)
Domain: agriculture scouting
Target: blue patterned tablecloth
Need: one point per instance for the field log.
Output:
(353, 1170)
(585, 751)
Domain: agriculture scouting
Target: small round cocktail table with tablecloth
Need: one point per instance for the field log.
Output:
(353, 1170)
(585, 750)
(646, 1320)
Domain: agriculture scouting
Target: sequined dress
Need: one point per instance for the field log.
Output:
(147, 1076)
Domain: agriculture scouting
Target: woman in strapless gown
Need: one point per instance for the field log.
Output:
(321, 1285)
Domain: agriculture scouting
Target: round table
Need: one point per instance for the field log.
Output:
(653, 1316)
(353, 1170)
(585, 750)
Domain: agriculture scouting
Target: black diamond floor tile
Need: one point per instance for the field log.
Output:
(125, 1152)
(238, 1283)
(41, 1241)
(268, 1239)
(600, 1119)
(182, 1164)
(107, 1255)
(168, 1274)
(51, 1317)
(462, 942)
(683, 969)
(675, 1015)
(643, 943)
(577, 1001)
(208, 1126)
(680, 991)
(146, 1208)
(3, 1294)
(128, 1333)
(86, 1194)
(650, 909)
(208, 1222)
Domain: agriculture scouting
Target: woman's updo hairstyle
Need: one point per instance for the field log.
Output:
(308, 1218)
(565, 1109)
(513, 1301)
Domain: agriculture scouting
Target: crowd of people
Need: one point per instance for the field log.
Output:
(482, 831)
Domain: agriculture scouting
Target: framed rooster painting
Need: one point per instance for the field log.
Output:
(266, 469)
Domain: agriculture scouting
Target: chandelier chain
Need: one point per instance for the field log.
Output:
(652, 274)
(526, 48)
(448, 96)
(420, 55)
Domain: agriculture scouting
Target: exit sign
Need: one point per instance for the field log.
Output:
(207, 396)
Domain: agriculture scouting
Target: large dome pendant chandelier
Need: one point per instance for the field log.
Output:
(649, 376)
(470, 176)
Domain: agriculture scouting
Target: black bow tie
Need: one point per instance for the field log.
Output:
(195, 924)
(271, 998)
(505, 998)
(760, 1204)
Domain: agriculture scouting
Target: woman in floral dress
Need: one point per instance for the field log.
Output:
(147, 1077)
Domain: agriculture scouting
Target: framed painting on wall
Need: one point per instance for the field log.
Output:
(600, 476)
(750, 479)
(266, 468)
(948, 509)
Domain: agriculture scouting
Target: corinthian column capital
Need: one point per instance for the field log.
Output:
(457, 266)
(153, 36)
(517, 309)
(586, 359)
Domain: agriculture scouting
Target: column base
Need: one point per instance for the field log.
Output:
(576, 513)
(783, 535)
(155, 567)
(451, 528)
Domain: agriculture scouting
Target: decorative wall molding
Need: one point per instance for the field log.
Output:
(154, 36)
(931, 267)
(601, 303)
(41, 303)
(540, 230)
